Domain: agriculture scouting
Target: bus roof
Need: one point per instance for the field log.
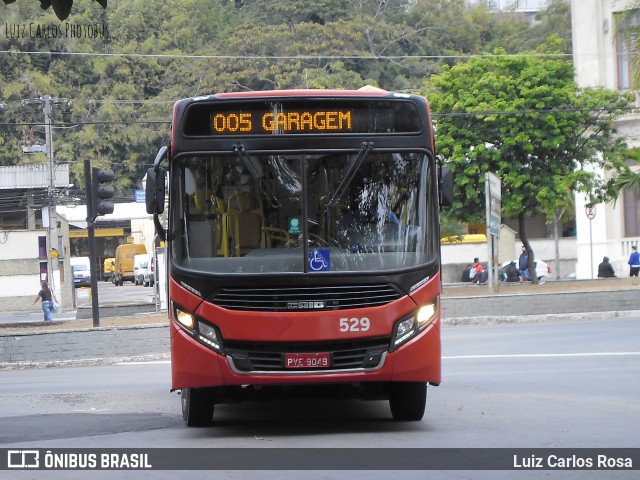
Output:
(307, 93)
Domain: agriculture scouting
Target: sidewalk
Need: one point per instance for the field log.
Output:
(146, 335)
(550, 286)
(458, 300)
(553, 300)
(23, 318)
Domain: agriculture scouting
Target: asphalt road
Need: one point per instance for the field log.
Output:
(543, 385)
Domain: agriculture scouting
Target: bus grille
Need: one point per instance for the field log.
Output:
(304, 299)
(364, 354)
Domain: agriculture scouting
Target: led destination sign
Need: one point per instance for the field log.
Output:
(282, 122)
(283, 117)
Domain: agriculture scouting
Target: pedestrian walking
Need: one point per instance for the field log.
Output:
(634, 262)
(46, 296)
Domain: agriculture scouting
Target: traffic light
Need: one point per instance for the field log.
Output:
(101, 194)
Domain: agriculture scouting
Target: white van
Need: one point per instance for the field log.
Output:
(141, 268)
(81, 271)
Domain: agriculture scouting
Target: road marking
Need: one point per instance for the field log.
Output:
(543, 355)
(153, 362)
(461, 357)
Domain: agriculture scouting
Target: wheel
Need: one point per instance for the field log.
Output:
(197, 407)
(408, 400)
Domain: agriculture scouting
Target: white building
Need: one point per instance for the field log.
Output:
(522, 6)
(601, 58)
(34, 241)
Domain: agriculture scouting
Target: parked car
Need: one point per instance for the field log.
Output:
(141, 266)
(150, 275)
(81, 271)
(542, 269)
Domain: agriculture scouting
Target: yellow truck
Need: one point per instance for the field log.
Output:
(123, 271)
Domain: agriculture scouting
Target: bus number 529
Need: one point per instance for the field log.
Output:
(354, 324)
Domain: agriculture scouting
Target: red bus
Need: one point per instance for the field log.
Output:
(303, 247)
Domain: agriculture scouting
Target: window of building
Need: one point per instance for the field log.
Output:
(44, 272)
(42, 247)
(631, 202)
(627, 35)
(631, 206)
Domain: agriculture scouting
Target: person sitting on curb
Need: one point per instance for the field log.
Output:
(605, 270)
(512, 273)
(477, 268)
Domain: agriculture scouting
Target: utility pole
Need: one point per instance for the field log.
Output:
(47, 109)
(47, 103)
(95, 305)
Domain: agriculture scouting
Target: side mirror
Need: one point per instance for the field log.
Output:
(446, 187)
(155, 183)
(154, 190)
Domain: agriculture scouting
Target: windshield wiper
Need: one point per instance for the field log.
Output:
(186, 229)
(248, 162)
(349, 175)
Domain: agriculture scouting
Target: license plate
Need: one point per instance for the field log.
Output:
(307, 360)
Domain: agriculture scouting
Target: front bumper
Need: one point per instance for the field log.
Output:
(195, 366)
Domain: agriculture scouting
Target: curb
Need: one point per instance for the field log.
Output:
(147, 343)
(549, 317)
(86, 346)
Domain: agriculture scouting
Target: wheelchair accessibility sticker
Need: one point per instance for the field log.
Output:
(319, 260)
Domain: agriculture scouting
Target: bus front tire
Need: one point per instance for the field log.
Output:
(408, 400)
(197, 407)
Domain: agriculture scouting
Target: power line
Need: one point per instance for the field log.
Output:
(292, 57)
(109, 122)
(485, 113)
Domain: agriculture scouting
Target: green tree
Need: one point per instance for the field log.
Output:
(554, 20)
(628, 179)
(160, 51)
(523, 118)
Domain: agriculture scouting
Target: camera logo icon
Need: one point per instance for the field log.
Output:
(23, 459)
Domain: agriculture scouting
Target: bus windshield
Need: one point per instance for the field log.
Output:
(303, 213)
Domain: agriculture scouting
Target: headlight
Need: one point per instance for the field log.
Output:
(202, 331)
(208, 334)
(184, 318)
(426, 315)
(409, 326)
